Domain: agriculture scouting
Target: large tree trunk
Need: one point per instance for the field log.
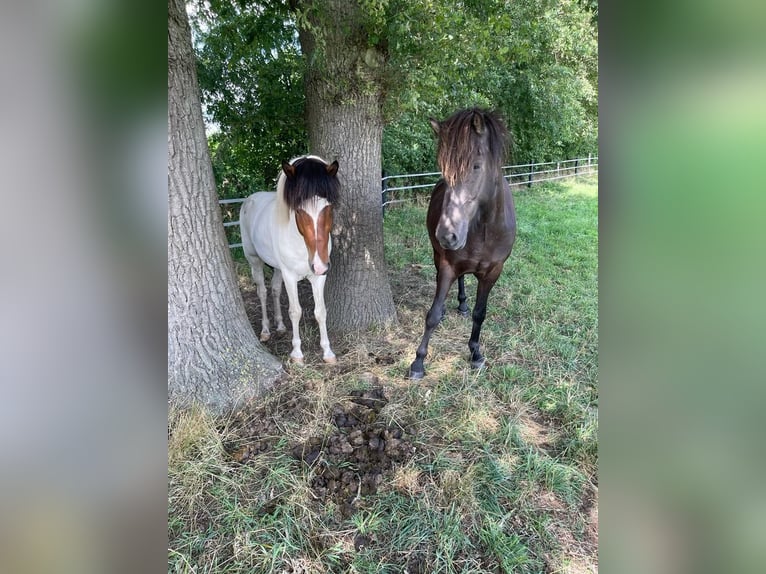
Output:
(344, 116)
(214, 357)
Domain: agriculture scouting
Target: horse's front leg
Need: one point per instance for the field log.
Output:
(479, 313)
(291, 286)
(320, 313)
(444, 279)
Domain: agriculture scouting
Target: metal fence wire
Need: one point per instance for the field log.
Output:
(400, 188)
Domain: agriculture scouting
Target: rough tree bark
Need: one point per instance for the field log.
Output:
(344, 97)
(214, 357)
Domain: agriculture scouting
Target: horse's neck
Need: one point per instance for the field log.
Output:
(285, 223)
(497, 204)
(288, 240)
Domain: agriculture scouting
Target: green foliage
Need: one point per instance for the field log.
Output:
(535, 62)
(408, 146)
(251, 75)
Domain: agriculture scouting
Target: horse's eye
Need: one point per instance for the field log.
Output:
(477, 166)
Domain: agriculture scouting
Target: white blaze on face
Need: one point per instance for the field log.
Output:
(457, 211)
(314, 221)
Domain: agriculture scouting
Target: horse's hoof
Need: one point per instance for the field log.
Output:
(297, 360)
(265, 337)
(479, 364)
(415, 375)
(330, 360)
(463, 313)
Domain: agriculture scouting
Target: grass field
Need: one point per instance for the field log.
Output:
(353, 468)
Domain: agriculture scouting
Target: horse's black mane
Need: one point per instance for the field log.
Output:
(458, 141)
(310, 180)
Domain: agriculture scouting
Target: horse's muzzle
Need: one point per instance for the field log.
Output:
(450, 241)
(451, 233)
(321, 268)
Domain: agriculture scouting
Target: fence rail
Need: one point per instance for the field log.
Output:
(525, 174)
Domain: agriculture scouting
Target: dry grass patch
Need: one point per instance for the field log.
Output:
(195, 455)
(408, 480)
(534, 433)
(508, 462)
(191, 435)
(457, 488)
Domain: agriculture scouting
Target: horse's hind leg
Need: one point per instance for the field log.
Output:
(276, 293)
(479, 313)
(444, 279)
(256, 267)
(462, 308)
(320, 314)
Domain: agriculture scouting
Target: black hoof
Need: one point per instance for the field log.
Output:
(463, 312)
(415, 375)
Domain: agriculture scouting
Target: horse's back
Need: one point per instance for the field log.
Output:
(262, 201)
(256, 223)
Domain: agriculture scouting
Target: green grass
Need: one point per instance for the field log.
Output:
(503, 476)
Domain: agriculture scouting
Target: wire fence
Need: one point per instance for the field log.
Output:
(402, 188)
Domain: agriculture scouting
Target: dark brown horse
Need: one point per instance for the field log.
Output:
(471, 218)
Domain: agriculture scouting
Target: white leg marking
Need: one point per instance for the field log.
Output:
(320, 314)
(291, 285)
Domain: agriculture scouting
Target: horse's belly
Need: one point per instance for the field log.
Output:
(258, 225)
(265, 250)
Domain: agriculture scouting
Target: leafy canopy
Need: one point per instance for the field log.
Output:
(534, 61)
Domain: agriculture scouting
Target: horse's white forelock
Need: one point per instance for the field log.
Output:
(282, 209)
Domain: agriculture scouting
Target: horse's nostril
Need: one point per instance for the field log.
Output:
(448, 239)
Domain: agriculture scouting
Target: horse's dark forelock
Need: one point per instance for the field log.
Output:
(311, 180)
(458, 142)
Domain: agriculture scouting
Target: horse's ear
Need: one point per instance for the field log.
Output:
(434, 125)
(332, 169)
(478, 123)
(289, 169)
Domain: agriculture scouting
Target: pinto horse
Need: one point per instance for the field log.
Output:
(471, 219)
(290, 231)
